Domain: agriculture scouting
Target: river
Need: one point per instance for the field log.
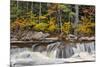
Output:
(53, 54)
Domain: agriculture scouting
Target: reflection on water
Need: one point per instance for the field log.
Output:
(53, 53)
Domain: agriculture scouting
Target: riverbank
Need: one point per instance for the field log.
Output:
(38, 36)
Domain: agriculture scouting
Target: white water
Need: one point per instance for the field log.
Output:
(55, 53)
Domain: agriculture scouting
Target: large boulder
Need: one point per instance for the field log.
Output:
(38, 35)
(34, 36)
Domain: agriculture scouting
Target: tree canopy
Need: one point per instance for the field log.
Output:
(53, 17)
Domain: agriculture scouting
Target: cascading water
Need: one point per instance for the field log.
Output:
(58, 50)
(84, 47)
(53, 53)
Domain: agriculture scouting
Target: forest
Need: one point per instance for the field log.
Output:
(57, 19)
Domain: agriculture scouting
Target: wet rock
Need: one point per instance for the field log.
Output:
(87, 38)
(38, 48)
(71, 37)
(92, 38)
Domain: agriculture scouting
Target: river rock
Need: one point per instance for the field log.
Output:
(34, 36)
(87, 38)
(92, 38)
(71, 37)
(38, 35)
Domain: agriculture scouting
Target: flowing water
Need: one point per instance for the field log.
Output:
(53, 53)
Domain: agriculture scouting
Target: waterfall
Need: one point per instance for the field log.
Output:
(52, 49)
(64, 52)
(58, 50)
(53, 53)
(84, 47)
(38, 48)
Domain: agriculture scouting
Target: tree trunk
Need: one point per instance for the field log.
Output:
(76, 14)
(32, 7)
(76, 17)
(60, 20)
(27, 6)
(17, 7)
(39, 12)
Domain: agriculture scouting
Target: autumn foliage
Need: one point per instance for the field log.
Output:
(54, 18)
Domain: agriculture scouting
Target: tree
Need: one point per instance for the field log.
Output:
(86, 28)
(67, 27)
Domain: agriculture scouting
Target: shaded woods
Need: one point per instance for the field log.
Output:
(58, 20)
